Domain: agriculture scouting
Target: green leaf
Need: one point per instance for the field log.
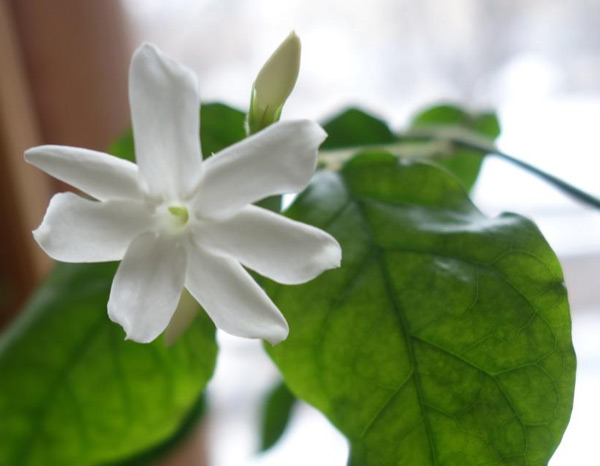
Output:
(220, 127)
(353, 127)
(444, 339)
(276, 415)
(463, 163)
(124, 147)
(74, 392)
(157, 453)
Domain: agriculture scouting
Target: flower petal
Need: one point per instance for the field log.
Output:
(147, 286)
(100, 175)
(232, 299)
(186, 312)
(165, 113)
(279, 159)
(75, 229)
(284, 250)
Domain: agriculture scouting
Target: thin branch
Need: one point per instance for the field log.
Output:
(439, 142)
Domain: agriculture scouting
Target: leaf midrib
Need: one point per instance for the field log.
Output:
(379, 253)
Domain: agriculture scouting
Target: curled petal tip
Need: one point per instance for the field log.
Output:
(34, 155)
(319, 133)
(43, 238)
(334, 252)
(36, 234)
(278, 335)
(147, 47)
(331, 255)
(29, 153)
(279, 331)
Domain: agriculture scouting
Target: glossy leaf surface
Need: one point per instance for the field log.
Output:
(445, 337)
(74, 392)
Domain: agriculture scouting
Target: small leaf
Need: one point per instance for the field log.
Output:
(485, 124)
(276, 415)
(464, 164)
(444, 339)
(354, 127)
(74, 392)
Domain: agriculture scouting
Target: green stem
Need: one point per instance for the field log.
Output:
(440, 142)
(562, 185)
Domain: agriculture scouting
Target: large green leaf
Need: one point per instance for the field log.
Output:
(74, 392)
(444, 339)
(463, 163)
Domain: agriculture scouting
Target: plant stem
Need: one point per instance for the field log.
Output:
(561, 185)
(439, 143)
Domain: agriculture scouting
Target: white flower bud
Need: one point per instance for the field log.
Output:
(274, 84)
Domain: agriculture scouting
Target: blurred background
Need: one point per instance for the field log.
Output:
(63, 80)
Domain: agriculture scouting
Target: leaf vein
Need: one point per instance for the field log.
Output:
(403, 325)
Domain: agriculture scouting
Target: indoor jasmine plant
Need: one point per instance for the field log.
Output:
(442, 337)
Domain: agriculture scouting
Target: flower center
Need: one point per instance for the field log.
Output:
(173, 219)
(180, 213)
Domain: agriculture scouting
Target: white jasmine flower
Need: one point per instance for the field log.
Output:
(177, 221)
